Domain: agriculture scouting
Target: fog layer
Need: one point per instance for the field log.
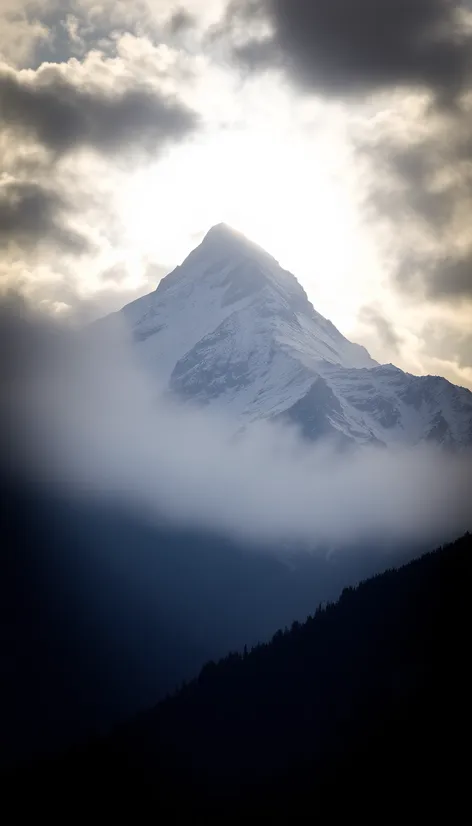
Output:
(78, 413)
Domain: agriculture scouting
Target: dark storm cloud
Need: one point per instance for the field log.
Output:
(31, 213)
(342, 46)
(384, 328)
(406, 182)
(180, 21)
(422, 185)
(448, 278)
(63, 115)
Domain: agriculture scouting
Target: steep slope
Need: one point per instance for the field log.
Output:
(232, 329)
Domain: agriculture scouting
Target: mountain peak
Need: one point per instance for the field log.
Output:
(223, 237)
(221, 231)
(231, 328)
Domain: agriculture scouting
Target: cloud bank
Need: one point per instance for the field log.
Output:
(341, 46)
(78, 414)
(63, 110)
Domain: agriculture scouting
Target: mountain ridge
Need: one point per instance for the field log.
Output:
(231, 329)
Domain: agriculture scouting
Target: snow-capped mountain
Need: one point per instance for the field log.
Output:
(232, 329)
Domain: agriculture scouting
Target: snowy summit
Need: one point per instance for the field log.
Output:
(231, 328)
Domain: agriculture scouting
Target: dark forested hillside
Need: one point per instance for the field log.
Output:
(103, 611)
(360, 712)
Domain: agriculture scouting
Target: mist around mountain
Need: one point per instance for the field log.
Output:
(360, 712)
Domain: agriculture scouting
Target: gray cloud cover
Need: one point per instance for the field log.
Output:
(63, 115)
(31, 213)
(421, 181)
(343, 46)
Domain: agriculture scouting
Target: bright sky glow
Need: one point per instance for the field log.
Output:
(289, 195)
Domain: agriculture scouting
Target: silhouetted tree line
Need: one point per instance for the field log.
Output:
(361, 712)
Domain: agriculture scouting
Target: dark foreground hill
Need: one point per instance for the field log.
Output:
(361, 713)
(104, 611)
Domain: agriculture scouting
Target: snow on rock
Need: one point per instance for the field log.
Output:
(232, 329)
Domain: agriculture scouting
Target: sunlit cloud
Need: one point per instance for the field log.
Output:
(139, 125)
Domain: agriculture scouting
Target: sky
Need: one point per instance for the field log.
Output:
(336, 134)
